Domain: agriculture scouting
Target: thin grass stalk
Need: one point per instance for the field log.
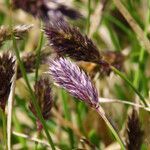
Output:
(18, 127)
(10, 108)
(137, 73)
(97, 17)
(33, 98)
(118, 23)
(114, 37)
(8, 133)
(136, 28)
(89, 16)
(38, 52)
(4, 128)
(66, 123)
(68, 117)
(142, 51)
(142, 99)
(21, 135)
(79, 108)
(110, 126)
(109, 100)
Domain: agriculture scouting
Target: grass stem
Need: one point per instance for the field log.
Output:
(109, 124)
(89, 16)
(38, 52)
(130, 84)
(33, 98)
(68, 117)
(136, 28)
(4, 128)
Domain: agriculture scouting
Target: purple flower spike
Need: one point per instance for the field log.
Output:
(69, 76)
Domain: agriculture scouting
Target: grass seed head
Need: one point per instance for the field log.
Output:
(68, 41)
(7, 71)
(134, 132)
(44, 97)
(69, 76)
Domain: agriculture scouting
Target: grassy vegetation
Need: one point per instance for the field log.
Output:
(117, 64)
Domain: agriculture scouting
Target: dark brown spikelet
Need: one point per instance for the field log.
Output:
(43, 94)
(68, 41)
(134, 132)
(42, 8)
(37, 8)
(69, 12)
(29, 61)
(19, 32)
(6, 73)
